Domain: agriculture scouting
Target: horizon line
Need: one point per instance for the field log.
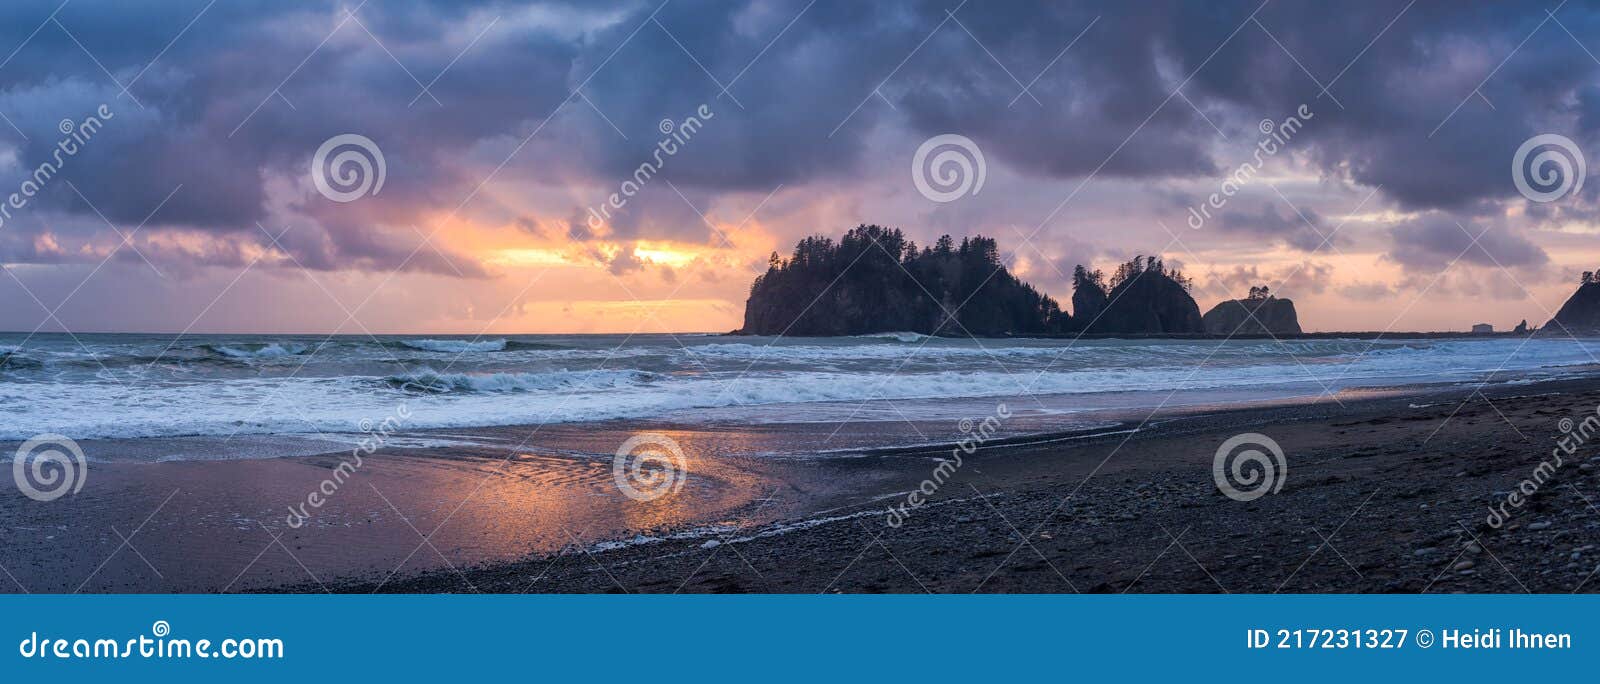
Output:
(736, 333)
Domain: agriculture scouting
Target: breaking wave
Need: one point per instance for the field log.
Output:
(429, 381)
(449, 346)
(271, 350)
(111, 386)
(896, 336)
(455, 346)
(11, 358)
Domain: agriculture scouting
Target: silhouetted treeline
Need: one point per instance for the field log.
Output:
(875, 280)
(1143, 296)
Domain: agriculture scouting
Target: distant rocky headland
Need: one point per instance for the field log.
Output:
(1581, 312)
(874, 280)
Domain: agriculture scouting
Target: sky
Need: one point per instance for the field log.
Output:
(1364, 156)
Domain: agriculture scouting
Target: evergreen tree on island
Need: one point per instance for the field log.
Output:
(875, 280)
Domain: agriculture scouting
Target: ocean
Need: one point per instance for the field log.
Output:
(501, 448)
(131, 386)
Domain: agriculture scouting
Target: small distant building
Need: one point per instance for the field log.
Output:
(1482, 329)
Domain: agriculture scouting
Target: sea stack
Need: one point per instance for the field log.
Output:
(1144, 298)
(1259, 314)
(874, 280)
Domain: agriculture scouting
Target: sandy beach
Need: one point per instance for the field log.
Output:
(1385, 491)
(1381, 495)
(230, 525)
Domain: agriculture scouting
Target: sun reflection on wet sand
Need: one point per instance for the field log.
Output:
(403, 511)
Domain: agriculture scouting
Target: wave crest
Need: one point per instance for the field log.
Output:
(455, 346)
(430, 381)
(270, 350)
(11, 358)
(896, 336)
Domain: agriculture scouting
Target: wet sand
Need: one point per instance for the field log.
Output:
(222, 520)
(1382, 493)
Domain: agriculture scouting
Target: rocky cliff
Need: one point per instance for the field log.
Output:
(875, 280)
(1088, 298)
(1581, 312)
(1272, 315)
(1145, 298)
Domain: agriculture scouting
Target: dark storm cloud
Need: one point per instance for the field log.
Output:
(1436, 241)
(1430, 105)
(205, 128)
(1306, 231)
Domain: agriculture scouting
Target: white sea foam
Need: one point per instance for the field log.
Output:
(896, 336)
(428, 380)
(266, 351)
(456, 346)
(799, 380)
